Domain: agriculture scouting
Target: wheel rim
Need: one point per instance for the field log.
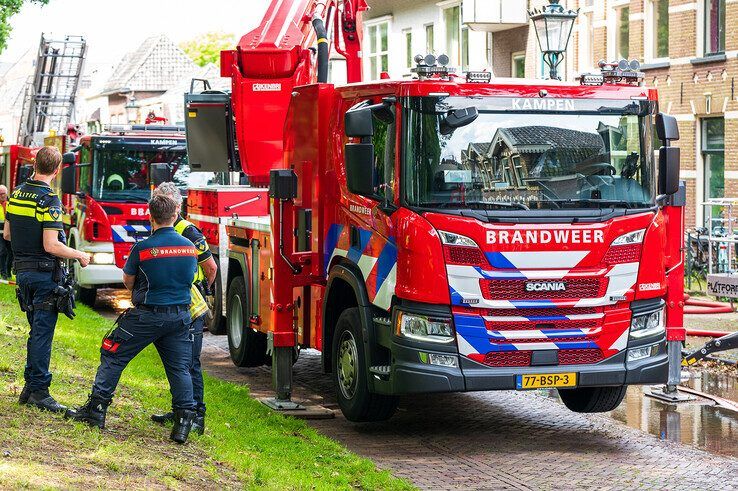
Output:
(235, 326)
(347, 365)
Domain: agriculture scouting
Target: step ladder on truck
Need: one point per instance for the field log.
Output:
(438, 234)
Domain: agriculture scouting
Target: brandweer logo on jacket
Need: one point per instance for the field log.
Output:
(161, 252)
(545, 237)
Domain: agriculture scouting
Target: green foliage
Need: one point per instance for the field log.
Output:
(8, 8)
(246, 445)
(206, 49)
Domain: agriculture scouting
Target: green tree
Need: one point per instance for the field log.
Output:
(206, 49)
(8, 8)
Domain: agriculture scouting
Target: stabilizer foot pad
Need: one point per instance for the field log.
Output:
(296, 410)
(659, 392)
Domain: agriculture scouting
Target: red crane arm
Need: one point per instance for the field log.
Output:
(275, 57)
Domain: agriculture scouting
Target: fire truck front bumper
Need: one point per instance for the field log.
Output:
(426, 368)
(98, 275)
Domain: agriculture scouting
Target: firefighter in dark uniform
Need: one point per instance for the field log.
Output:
(159, 273)
(206, 272)
(35, 231)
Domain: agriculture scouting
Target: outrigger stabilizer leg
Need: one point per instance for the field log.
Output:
(670, 392)
(724, 343)
(282, 358)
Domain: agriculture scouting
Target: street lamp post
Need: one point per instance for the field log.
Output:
(553, 26)
(132, 109)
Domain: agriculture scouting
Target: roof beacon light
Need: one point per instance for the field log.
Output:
(429, 65)
(479, 77)
(615, 72)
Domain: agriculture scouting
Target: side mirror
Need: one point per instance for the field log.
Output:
(358, 123)
(160, 173)
(69, 179)
(360, 168)
(457, 119)
(69, 158)
(668, 170)
(666, 127)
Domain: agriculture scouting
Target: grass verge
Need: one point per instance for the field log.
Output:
(246, 445)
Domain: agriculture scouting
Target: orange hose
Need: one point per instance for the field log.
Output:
(706, 334)
(692, 306)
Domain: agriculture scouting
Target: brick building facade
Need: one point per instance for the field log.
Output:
(689, 51)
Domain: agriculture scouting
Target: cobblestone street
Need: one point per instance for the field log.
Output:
(496, 440)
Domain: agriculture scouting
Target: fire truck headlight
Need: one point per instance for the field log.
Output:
(103, 258)
(635, 237)
(648, 324)
(423, 328)
(452, 239)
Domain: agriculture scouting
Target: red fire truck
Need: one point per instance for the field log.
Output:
(445, 233)
(107, 191)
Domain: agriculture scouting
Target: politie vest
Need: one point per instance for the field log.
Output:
(33, 207)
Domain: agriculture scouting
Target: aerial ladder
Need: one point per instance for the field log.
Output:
(51, 93)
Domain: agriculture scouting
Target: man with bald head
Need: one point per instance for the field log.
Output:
(6, 253)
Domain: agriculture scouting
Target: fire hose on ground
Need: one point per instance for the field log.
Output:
(692, 306)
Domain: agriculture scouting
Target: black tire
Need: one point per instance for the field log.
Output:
(246, 345)
(593, 399)
(217, 322)
(87, 296)
(350, 374)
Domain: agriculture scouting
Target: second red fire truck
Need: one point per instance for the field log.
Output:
(446, 233)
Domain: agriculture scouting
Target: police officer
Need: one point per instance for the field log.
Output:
(159, 272)
(206, 272)
(6, 253)
(36, 235)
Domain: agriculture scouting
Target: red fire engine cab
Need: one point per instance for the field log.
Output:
(446, 233)
(107, 188)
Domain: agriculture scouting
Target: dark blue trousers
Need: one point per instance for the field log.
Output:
(169, 333)
(6, 257)
(198, 386)
(36, 287)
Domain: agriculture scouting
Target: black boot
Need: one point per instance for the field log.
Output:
(198, 424)
(23, 398)
(163, 418)
(183, 419)
(93, 412)
(43, 400)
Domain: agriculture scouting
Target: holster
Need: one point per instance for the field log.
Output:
(22, 302)
(63, 299)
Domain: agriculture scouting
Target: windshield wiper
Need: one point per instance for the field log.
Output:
(502, 204)
(590, 201)
(473, 204)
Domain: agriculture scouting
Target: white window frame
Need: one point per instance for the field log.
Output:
(432, 25)
(649, 35)
(514, 55)
(368, 53)
(443, 6)
(582, 64)
(612, 24)
(408, 52)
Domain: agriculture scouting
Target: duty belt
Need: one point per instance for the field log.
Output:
(164, 309)
(46, 265)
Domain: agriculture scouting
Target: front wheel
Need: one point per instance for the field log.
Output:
(87, 296)
(593, 399)
(350, 377)
(246, 345)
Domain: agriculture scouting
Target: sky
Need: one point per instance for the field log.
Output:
(113, 28)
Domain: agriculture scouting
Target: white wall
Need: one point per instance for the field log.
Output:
(415, 18)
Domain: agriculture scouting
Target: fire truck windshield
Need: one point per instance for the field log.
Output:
(529, 154)
(121, 171)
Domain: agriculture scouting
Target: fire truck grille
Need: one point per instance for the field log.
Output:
(575, 288)
(535, 312)
(507, 359)
(523, 358)
(580, 356)
(630, 253)
(559, 324)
